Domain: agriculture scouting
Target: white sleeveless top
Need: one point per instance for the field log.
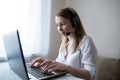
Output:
(85, 57)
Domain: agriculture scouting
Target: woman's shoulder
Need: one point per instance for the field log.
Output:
(86, 38)
(88, 44)
(86, 41)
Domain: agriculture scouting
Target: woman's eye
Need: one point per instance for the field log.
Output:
(62, 23)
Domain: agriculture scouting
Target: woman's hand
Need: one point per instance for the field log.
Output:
(38, 61)
(51, 66)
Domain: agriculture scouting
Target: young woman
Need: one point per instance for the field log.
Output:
(77, 53)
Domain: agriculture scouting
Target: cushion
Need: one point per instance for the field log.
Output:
(108, 68)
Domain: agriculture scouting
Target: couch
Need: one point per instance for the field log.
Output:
(108, 68)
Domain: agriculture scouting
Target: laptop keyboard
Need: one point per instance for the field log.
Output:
(36, 72)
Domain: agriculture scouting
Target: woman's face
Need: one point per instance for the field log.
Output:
(63, 25)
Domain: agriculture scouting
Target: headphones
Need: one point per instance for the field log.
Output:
(75, 19)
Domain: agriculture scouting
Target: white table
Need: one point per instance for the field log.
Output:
(7, 74)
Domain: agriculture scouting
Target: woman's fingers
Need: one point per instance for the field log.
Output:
(38, 60)
(54, 66)
(46, 62)
(54, 69)
(49, 67)
(59, 67)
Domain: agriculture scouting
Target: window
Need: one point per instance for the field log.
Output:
(25, 15)
(8, 20)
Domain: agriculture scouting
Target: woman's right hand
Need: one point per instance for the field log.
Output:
(38, 61)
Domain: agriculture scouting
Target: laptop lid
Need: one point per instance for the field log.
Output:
(15, 54)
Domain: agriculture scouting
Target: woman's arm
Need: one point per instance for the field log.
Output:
(79, 72)
(56, 66)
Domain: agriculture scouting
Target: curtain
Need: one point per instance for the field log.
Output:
(29, 17)
(8, 21)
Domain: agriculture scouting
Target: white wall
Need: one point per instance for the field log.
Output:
(101, 19)
(108, 28)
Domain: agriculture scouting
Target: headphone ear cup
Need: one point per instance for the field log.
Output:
(75, 22)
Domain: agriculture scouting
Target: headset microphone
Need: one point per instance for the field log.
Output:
(68, 33)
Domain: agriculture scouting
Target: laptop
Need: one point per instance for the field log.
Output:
(17, 62)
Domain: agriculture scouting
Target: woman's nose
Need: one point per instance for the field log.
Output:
(60, 28)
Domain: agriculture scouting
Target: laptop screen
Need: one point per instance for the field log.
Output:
(15, 54)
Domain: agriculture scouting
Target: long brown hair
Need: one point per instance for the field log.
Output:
(71, 14)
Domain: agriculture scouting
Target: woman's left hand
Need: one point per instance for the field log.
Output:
(51, 66)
